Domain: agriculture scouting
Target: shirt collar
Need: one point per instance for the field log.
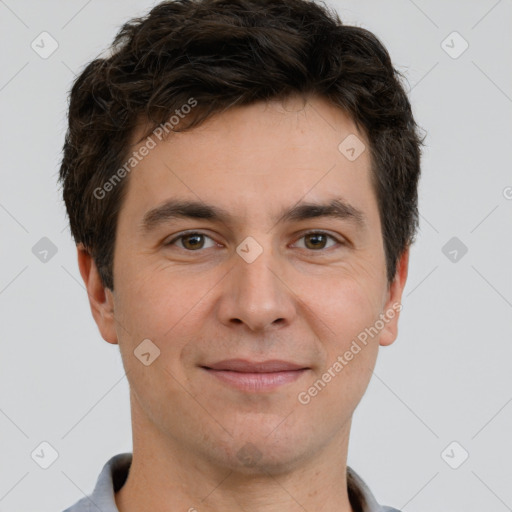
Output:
(115, 471)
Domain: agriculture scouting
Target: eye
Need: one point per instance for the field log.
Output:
(316, 240)
(191, 241)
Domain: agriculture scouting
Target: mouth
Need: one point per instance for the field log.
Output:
(255, 376)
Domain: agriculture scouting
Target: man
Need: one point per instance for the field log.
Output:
(241, 181)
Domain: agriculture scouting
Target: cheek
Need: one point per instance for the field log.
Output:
(155, 301)
(345, 302)
(169, 308)
(344, 313)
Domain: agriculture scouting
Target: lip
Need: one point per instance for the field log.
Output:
(245, 366)
(255, 376)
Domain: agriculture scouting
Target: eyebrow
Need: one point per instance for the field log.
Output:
(175, 208)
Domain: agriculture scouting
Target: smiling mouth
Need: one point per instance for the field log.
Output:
(253, 376)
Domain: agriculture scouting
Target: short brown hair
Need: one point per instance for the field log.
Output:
(227, 53)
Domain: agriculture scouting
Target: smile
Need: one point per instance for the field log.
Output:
(256, 381)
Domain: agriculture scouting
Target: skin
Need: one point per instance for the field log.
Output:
(208, 304)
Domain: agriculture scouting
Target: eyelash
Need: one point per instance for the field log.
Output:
(189, 233)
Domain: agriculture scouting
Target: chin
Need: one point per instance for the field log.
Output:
(265, 456)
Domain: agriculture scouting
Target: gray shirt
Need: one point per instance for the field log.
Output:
(115, 471)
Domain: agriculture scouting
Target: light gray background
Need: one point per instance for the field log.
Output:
(447, 377)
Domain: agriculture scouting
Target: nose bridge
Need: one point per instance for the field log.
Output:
(256, 295)
(256, 267)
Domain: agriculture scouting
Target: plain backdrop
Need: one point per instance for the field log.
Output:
(447, 379)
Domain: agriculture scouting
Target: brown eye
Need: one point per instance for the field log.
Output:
(191, 241)
(316, 240)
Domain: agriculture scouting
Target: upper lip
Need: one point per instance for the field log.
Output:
(245, 366)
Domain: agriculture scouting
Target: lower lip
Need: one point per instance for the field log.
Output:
(256, 381)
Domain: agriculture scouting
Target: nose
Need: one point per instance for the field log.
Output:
(256, 294)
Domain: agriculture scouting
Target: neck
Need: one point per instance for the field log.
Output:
(166, 476)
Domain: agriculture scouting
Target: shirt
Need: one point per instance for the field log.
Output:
(115, 471)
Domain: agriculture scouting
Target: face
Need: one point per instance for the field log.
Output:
(244, 280)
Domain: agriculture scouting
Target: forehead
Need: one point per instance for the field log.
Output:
(255, 160)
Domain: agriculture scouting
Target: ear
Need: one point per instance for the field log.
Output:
(100, 298)
(393, 304)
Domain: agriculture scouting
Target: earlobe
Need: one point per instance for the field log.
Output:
(100, 298)
(393, 304)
